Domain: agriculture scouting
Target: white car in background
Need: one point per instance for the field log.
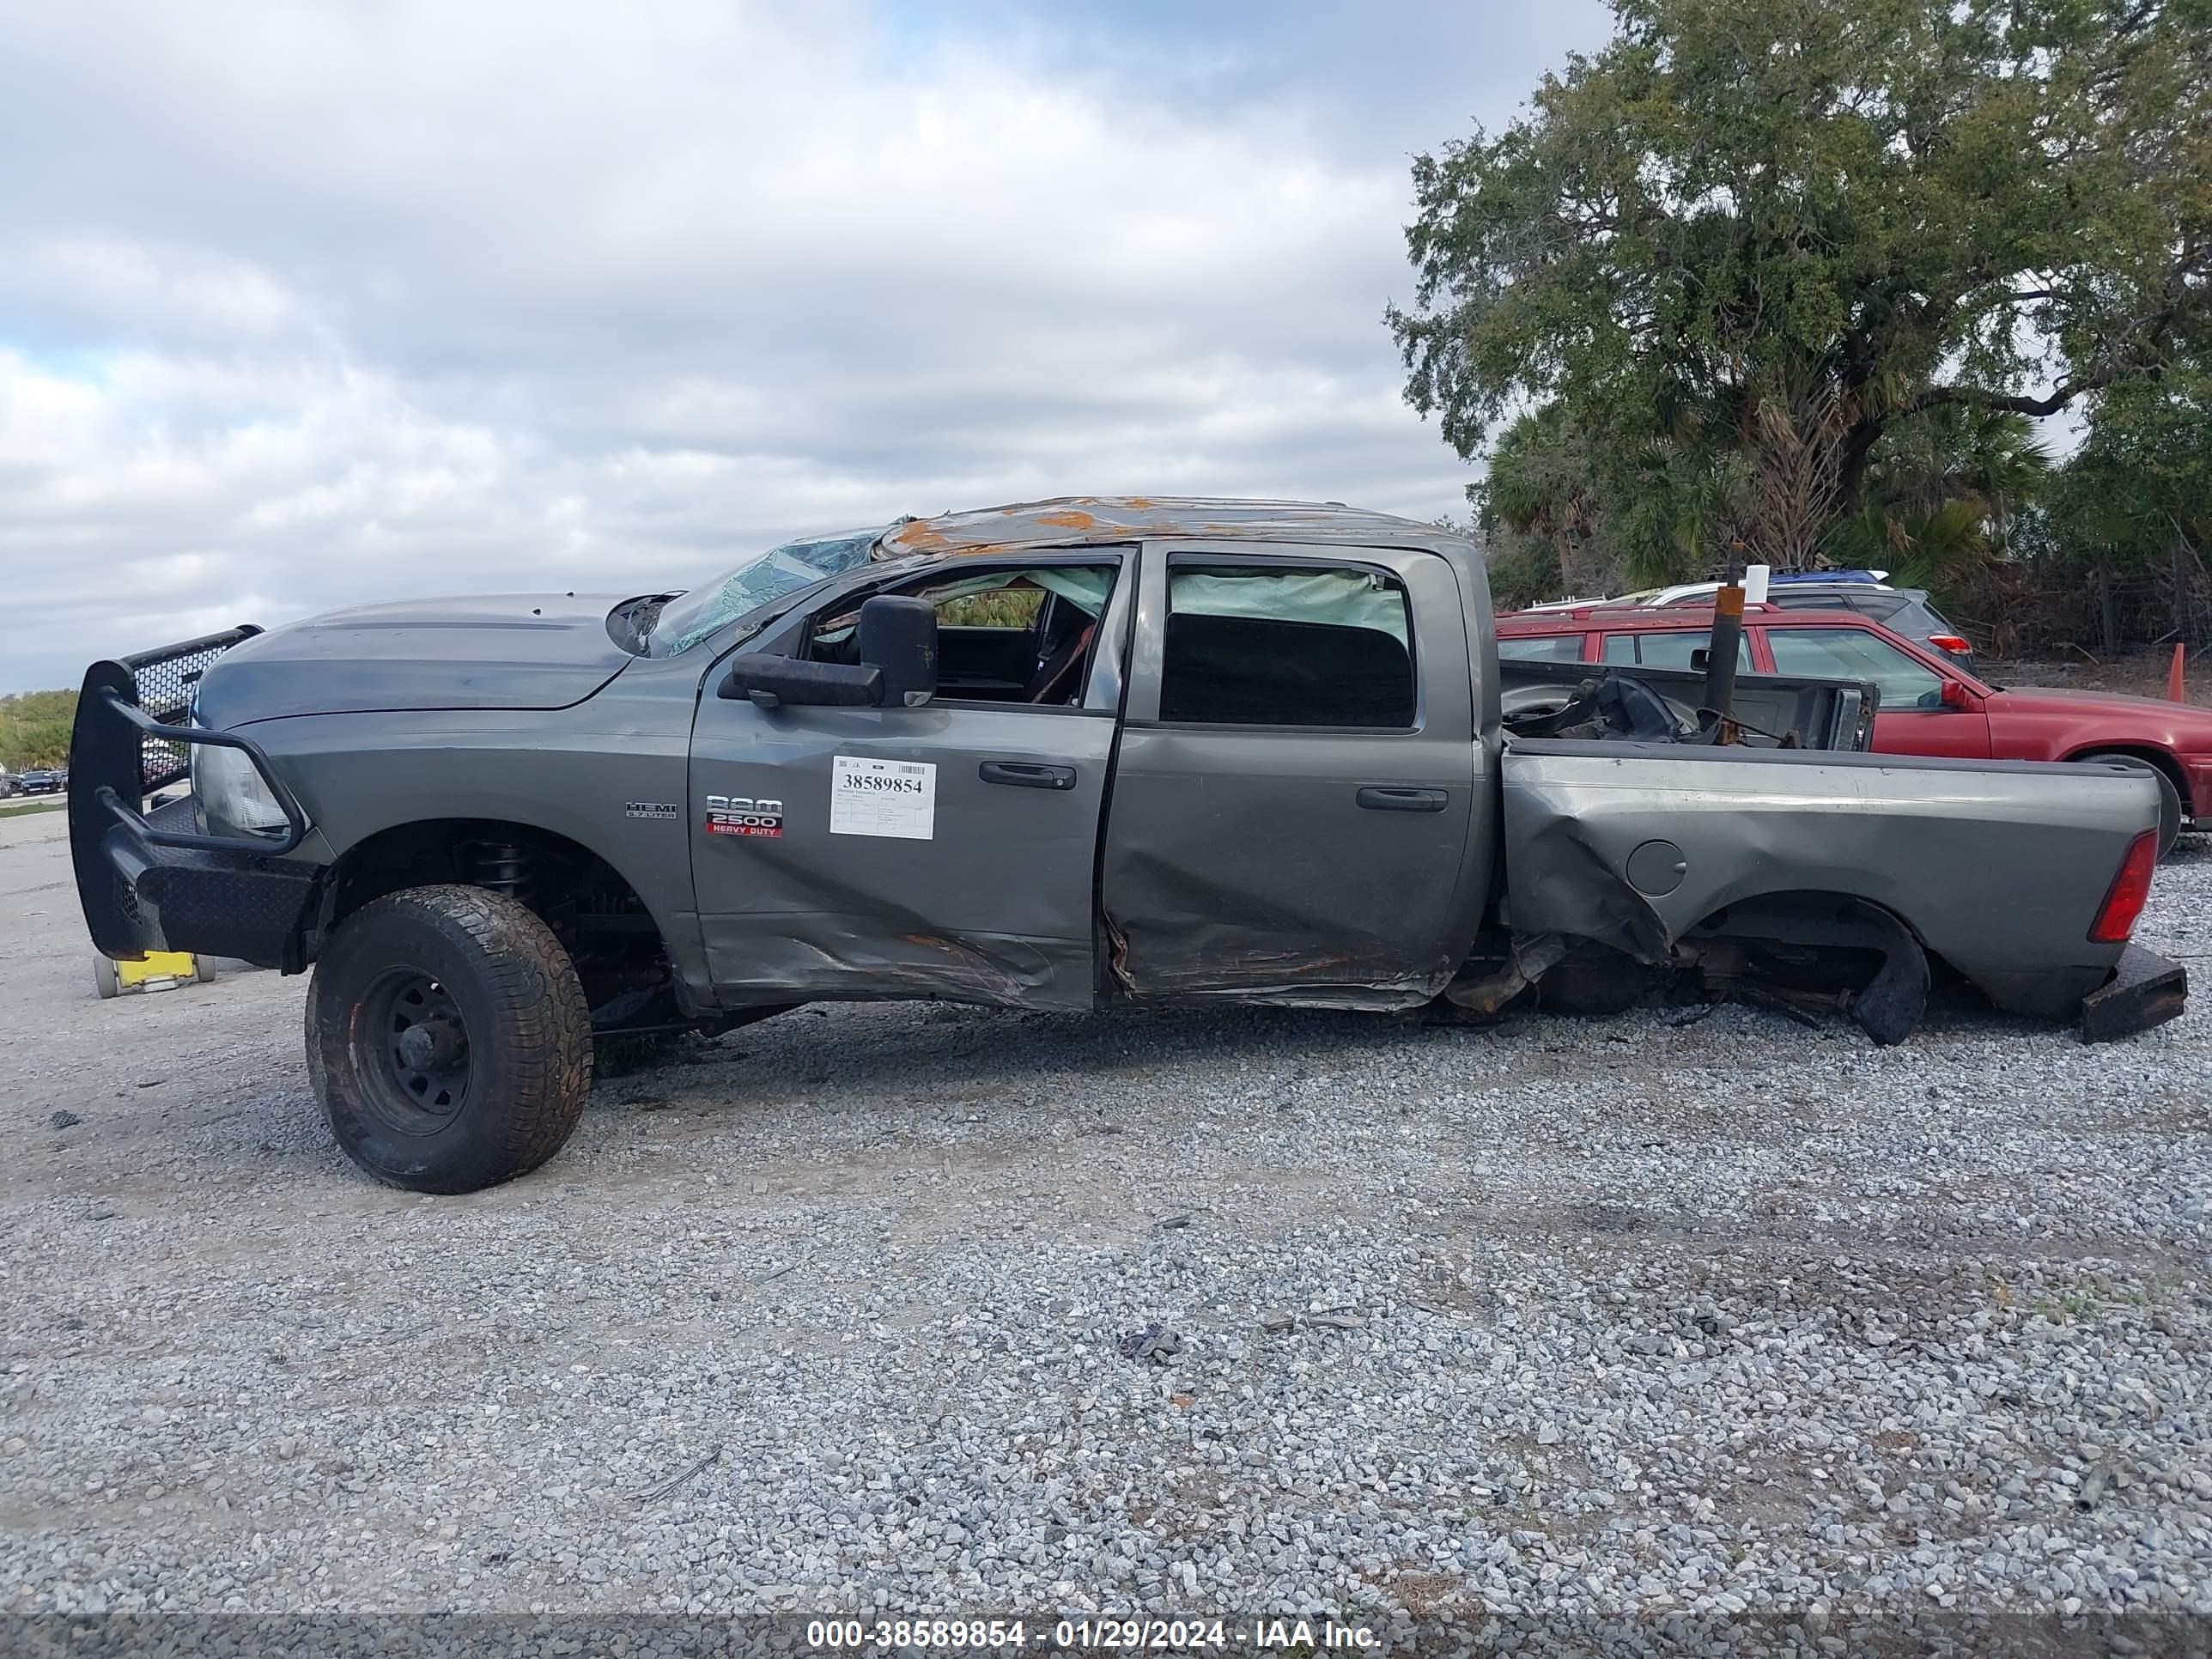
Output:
(1906, 611)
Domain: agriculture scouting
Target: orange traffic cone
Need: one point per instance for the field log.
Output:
(2176, 689)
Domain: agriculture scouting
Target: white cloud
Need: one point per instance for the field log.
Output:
(306, 305)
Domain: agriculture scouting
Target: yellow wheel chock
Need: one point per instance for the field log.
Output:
(162, 970)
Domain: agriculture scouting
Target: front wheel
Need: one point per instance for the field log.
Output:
(448, 1036)
(2169, 798)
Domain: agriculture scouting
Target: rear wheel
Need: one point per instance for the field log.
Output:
(1594, 980)
(449, 1039)
(104, 979)
(2169, 798)
(203, 970)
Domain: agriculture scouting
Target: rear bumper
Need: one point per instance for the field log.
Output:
(2145, 990)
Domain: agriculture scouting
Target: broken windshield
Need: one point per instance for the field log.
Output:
(690, 617)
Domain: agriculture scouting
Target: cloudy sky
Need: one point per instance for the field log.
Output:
(306, 304)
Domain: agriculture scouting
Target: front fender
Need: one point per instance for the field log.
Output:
(614, 787)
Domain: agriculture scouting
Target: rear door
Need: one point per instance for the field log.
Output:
(1913, 719)
(944, 851)
(1293, 815)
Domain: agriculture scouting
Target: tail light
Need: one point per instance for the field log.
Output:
(1958, 644)
(2124, 900)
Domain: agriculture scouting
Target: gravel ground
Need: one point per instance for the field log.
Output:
(1581, 1319)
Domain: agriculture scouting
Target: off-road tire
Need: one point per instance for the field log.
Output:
(528, 1038)
(2169, 798)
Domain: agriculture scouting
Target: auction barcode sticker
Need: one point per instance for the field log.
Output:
(883, 798)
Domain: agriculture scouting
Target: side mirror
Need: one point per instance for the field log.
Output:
(898, 636)
(1954, 694)
(769, 681)
(897, 640)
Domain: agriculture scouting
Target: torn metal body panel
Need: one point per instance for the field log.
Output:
(2145, 990)
(1534, 956)
(1996, 868)
(1319, 866)
(1277, 920)
(899, 902)
(1817, 949)
(1089, 520)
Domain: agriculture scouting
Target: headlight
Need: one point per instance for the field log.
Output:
(230, 794)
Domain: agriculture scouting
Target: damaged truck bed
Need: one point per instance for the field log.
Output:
(1069, 754)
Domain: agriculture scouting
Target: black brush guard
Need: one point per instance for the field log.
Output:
(159, 883)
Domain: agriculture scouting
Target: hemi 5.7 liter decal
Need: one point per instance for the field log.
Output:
(742, 815)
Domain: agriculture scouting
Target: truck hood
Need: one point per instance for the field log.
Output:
(2074, 718)
(2093, 699)
(2180, 715)
(519, 651)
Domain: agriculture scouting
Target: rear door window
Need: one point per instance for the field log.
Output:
(1668, 650)
(1851, 653)
(1287, 646)
(1555, 647)
(1870, 602)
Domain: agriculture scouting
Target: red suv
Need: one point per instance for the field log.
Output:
(1930, 705)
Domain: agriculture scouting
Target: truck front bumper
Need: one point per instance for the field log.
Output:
(140, 895)
(2145, 990)
(158, 882)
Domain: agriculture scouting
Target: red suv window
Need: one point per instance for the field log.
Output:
(1541, 648)
(1853, 653)
(1667, 648)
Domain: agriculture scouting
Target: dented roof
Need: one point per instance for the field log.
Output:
(1088, 520)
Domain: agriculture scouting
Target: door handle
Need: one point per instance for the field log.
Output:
(1027, 774)
(1390, 798)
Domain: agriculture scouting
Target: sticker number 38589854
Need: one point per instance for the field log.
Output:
(883, 798)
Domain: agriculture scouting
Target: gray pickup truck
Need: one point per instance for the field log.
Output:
(1061, 755)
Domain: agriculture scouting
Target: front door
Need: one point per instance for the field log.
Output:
(1293, 807)
(1912, 718)
(942, 851)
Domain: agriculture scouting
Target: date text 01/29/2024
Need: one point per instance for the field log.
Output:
(1104, 1634)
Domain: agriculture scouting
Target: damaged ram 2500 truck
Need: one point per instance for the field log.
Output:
(1062, 755)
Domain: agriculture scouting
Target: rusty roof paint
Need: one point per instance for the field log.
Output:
(1093, 520)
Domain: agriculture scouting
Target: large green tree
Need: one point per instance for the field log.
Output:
(35, 728)
(1755, 251)
(2136, 496)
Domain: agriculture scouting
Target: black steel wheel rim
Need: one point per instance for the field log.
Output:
(413, 1047)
